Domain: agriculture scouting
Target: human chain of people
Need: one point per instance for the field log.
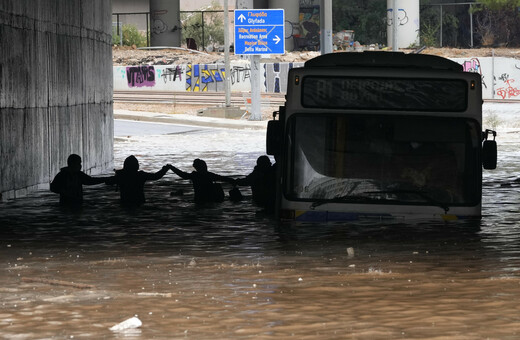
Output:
(130, 182)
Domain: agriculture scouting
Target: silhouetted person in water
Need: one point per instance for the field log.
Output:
(130, 181)
(206, 190)
(70, 180)
(261, 182)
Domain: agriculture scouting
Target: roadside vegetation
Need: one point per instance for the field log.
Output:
(496, 23)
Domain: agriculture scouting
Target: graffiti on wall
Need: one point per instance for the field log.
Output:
(170, 74)
(139, 76)
(473, 65)
(199, 78)
(275, 76)
(309, 37)
(203, 78)
(210, 77)
(508, 91)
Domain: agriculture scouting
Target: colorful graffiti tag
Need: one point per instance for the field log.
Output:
(210, 77)
(139, 76)
(473, 65)
(199, 79)
(508, 91)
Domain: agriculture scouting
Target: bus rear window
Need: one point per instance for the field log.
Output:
(364, 93)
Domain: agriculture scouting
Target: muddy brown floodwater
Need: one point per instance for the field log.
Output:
(229, 271)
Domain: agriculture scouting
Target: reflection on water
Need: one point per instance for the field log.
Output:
(229, 271)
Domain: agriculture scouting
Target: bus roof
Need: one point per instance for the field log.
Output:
(383, 59)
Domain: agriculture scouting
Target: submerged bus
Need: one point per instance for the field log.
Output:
(380, 135)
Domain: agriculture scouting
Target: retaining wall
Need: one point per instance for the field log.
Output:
(55, 90)
(498, 76)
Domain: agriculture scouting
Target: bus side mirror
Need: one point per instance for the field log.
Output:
(489, 151)
(274, 137)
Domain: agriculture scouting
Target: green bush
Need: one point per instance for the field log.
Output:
(131, 36)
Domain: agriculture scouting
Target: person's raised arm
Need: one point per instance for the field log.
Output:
(158, 175)
(220, 178)
(89, 180)
(180, 173)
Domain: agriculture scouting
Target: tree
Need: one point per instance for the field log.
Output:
(498, 22)
(366, 17)
(131, 36)
(430, 24)
(211, 30)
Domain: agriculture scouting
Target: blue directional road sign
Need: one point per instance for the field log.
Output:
(259, 31)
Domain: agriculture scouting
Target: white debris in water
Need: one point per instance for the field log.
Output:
(350, 252)
(131, 323)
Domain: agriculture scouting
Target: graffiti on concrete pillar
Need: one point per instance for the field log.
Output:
(139, 76)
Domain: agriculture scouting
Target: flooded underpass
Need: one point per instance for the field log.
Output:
(229, 271)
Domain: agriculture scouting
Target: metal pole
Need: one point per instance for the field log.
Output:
(471, 25)
(493, 74)
(119, 33)
(202, 16)
(440, 43)
(227, 80)
(147, 30)
(394, 28)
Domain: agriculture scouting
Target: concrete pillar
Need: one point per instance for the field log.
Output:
(165, 23)
(242, 4)
(407, 23)
(55, 90)
(326, 26)
(292, 19)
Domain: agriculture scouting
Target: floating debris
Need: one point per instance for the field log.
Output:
(131, 323)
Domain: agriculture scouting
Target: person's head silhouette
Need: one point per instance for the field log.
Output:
(74, 162)
(131, 164)
(200, 165)
(263, 162)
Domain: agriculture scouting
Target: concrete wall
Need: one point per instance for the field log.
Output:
(55, 90)
(498, 77)
(199, 78)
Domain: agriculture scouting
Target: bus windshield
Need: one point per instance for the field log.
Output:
(396, 159)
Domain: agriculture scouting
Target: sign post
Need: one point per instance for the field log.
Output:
(257, 32)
